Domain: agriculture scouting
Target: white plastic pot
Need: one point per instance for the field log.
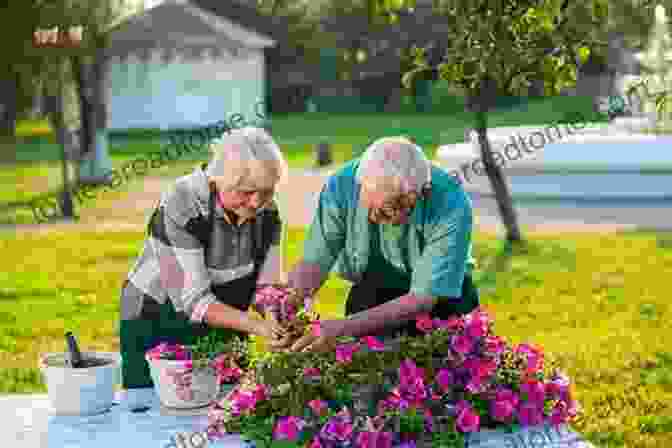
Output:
(81, 391)
(203, 388)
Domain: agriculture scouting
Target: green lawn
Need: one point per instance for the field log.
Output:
(598, 303)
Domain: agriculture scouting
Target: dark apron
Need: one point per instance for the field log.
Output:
(161, 323)
(370, 292)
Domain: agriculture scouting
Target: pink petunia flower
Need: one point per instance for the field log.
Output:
(445, 379)
(288, 428)
(462, 344)
(373, 343)
(467, 419)
(319, 407)
(344, 352)
(424, 323)
(311, 372)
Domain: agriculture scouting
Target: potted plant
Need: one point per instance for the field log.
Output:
(187, 377)
(86, 390)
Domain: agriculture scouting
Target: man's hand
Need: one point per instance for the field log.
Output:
(312, 343)
(281, 344)
(270, 329)
(315, 340)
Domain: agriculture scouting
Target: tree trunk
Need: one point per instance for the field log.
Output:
(8, 104)
(497, 181)
(480, 101)
(83, 80)
(56, 117)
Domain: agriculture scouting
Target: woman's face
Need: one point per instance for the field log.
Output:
(250, 195)
(244, 201)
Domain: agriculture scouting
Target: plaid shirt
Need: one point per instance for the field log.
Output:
(172, 264)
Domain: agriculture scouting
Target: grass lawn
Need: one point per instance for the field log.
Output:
(595, 302)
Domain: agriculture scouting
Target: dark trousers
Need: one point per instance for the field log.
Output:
(371, 292)
(160, 323)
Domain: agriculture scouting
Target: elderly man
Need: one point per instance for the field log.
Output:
(400, 230)
(212, 239)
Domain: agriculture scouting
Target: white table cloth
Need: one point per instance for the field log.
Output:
(27, 422)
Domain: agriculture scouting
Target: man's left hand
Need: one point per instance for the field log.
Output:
(313, 343)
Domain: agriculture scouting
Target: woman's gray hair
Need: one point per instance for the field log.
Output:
(394, 165)
(245, 154)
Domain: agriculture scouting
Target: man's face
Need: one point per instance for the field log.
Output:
(392, 209)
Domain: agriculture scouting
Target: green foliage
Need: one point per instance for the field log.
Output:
(510, 41)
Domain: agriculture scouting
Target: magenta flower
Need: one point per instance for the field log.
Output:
(504, 404)
(368, 439)
(408, 371)
(424, 323)
(288, 428)
(558, 387)
(319, 407)
(373, 343)
(530, 414)
(480, 368)
(467, 419)
(476, 327)
(462, 344)
(311, 372)
(445, 379)
(337, 429)
(344, 352)
(535, 390)
(494, 345)
(505, 394)
(315, 443)
(535, 357)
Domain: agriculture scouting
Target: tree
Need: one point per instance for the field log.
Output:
(504, 46)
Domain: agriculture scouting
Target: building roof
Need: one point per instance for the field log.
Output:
(246, 16)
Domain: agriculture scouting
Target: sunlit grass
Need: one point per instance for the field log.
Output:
(598, 304)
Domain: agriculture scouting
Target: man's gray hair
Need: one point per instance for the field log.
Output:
(394, 165)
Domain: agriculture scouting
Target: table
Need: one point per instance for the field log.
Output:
(27, 422)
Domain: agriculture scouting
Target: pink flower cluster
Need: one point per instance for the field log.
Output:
(224, 365)
(278, 300)
(244, 399)
(175, 352)
(477, 367)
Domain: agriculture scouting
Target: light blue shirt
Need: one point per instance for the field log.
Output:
(433, 248)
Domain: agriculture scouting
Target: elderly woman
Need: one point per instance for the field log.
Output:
(214, 236)
(400, 230)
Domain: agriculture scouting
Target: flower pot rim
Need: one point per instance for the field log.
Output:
(113, 360)
(174, 361)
